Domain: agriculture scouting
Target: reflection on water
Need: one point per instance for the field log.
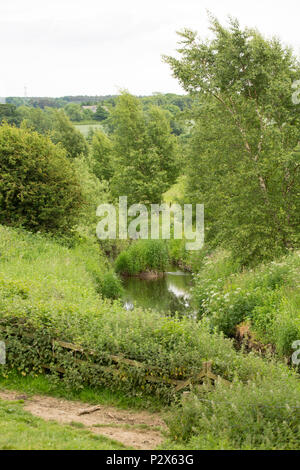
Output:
(168, 294)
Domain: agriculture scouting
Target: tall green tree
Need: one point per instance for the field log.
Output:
(65, 133)
(102, 156)
(145, 151)
(101, 113)
(243, 159)
(74, 112)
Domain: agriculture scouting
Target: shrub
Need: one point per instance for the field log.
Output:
(111, 286)
(38, 186)
(231, 309)
(124, 263)
(258, 415)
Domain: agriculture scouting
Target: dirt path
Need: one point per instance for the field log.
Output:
(140, 430)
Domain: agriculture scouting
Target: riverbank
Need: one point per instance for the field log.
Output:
(145, 275)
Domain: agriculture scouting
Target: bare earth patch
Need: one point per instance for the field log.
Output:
(131, 428)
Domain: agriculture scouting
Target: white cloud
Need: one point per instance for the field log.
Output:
(95, 47)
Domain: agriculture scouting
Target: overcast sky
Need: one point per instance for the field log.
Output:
(96, 47)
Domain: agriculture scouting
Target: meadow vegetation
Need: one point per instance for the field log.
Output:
(266, 298)
(48, 291)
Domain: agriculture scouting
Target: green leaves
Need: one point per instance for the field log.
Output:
(240, 155)
(64, 133)
(102, 156)
(38, 186)
(145, 152)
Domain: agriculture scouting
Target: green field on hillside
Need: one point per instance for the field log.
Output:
(86, 128)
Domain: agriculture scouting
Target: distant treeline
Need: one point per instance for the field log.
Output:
(85, 109)
(41, 102)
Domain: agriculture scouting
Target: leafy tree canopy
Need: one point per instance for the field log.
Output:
(243, 158)
(102, 155)
(145, 151)
(9, 114)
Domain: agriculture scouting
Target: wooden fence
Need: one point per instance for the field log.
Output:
(205, 376)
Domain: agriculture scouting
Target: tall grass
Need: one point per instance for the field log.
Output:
(52, 271)
(141, 256)
(264, 415)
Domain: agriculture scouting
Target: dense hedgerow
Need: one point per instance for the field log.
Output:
(143, 255)
(268, 298)
(39, 189)
(173, 347)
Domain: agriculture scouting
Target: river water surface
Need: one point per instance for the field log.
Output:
(171, 293)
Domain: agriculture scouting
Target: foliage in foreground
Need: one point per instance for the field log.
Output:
(264, 415)
(61, 277)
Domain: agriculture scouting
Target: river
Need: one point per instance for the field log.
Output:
(171, 293)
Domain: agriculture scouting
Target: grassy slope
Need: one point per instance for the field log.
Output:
(61, 277)
(85, 127)
(51, 271)
(58, 279)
